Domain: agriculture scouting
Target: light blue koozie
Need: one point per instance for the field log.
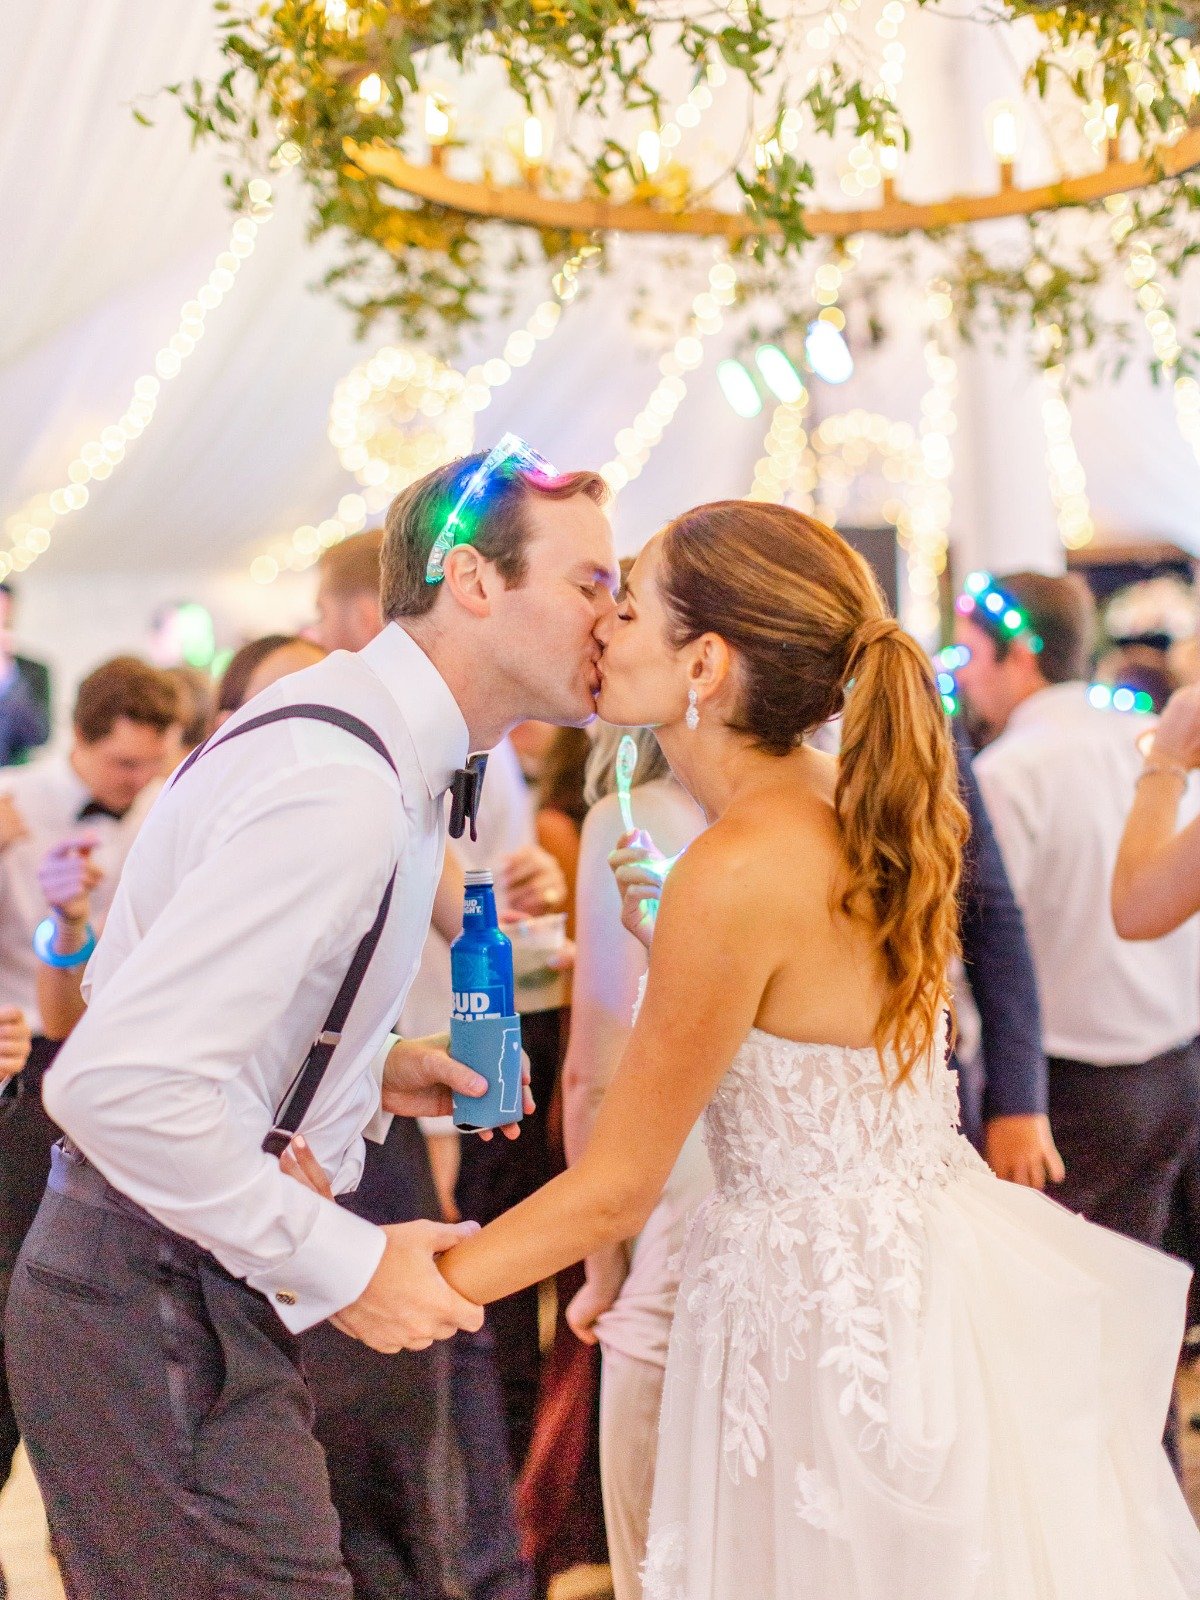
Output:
(485, 1032)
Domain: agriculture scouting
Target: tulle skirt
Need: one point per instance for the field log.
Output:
(1011, 1449)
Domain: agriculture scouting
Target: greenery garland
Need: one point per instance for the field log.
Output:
(289, 92)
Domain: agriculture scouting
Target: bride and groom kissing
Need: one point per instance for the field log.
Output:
(890, 1374)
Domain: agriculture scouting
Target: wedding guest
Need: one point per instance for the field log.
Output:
(92, 799)
(1156, 883)
(561, 806)
(1120, 1020)
(259, 664)
(347, 600)
(197, 709)
(1003, 1108)
(24, 692)
(628, 1298)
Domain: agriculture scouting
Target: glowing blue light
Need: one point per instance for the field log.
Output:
(994, 603)
(945, 682)
(953, 657)
(1100, 696)
(977, 582)
(778, 373)
(828, 353)
(1123, 700)
(739, 388)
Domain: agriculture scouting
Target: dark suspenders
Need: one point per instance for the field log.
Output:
(291, 1110)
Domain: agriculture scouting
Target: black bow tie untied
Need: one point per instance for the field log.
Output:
(465, 788)
(97, 808)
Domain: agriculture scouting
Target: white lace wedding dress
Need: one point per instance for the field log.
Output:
(894, 1377)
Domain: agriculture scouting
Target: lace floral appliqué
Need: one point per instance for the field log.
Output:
(814, 1233)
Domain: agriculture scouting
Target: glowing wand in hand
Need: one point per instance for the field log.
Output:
(627, 759)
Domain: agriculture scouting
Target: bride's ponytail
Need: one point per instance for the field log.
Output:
(903, 825)
(813, 637)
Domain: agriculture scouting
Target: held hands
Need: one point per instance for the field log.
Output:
(407, 1304)
(421, 1075)
(14, 1042)
(1177, 736)
(635, 865)
(1022, 1149)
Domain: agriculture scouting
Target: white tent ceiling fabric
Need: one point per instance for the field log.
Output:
(113, 226)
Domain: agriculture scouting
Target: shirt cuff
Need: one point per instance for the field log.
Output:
(377, 1129)
(330, 1269)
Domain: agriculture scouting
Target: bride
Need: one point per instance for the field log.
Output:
(891, 1375)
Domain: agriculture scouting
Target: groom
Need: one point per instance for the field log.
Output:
(279, 894)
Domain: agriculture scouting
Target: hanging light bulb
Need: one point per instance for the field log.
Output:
(372, 92)
(649, 149)
(827, 351)
(533, 140)
(779, 374)
(1004, 136)
(739, 388)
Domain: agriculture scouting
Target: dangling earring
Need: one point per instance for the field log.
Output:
(692, 715)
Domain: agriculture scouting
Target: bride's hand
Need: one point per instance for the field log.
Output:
(299, 1162)
(637, 866)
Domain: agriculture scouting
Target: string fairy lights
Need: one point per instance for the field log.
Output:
(375, 406)
(1141, 274)
(634, 444)
(385, 456)
(29, 531)
(1068, 482)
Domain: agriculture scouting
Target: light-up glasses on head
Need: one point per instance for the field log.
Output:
(985, 602)
(511, 453)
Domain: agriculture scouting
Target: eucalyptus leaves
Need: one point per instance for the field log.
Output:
(291, 93)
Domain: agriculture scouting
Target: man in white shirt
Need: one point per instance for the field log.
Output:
(153, 1308)
(385, 1422)
(1120, 1020)
(98, 792)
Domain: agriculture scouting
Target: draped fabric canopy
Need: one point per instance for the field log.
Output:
(112, 226)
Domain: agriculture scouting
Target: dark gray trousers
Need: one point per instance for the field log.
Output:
(164, 1411)
(1125, 1134)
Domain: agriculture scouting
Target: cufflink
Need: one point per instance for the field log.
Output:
(286, 1297)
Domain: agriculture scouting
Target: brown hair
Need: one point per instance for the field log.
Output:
(561, 781)
(231, 691)
(195, 697)
(352, 567)
(813, 639)
(124, 687)
(1061, 611)
(417, 514)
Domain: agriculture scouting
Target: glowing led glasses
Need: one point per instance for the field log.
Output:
(985, 602)
(510, 454)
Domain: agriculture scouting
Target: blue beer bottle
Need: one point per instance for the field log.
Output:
(485, 1031)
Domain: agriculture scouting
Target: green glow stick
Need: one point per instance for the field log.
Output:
(627, 759)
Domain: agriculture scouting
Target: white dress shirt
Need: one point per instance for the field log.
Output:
(49, 796)
(1059, 784)
(504, 824)
(252, 882)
